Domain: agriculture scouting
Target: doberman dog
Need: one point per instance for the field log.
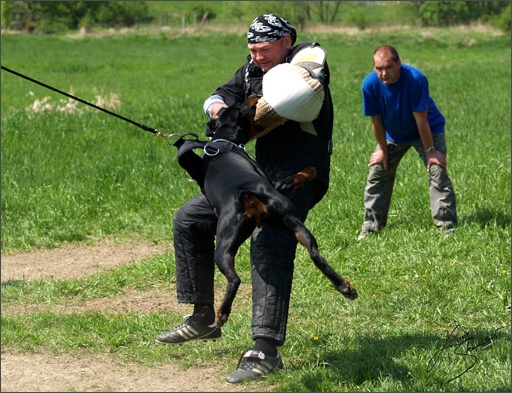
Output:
(243, 198)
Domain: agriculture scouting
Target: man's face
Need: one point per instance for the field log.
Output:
(388, 71)
(267, 55)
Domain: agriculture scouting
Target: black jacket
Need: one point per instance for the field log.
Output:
(287, 149)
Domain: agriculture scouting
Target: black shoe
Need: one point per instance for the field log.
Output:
(255, 365)
(190, 330)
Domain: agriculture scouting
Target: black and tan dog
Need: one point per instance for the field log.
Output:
(243, 198)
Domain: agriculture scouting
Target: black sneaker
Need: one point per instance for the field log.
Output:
(190, 330)
(255, 365)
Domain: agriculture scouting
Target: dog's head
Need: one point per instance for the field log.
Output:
(236, 123)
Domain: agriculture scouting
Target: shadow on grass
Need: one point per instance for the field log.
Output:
(373, 362)
(486, 217)
(370, 361)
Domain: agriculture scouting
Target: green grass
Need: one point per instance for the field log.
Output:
(71, 177)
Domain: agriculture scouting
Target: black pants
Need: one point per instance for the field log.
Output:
(272, 261)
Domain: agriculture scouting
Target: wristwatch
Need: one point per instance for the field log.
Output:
(430, 149)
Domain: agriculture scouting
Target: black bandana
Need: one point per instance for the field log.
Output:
(269, 28)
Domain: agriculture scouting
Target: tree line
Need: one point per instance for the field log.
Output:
(54, 16)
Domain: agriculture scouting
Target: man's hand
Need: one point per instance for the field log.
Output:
(379, 157)
(216, 108)
(436, 157)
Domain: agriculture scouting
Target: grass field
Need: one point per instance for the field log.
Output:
(78, 174)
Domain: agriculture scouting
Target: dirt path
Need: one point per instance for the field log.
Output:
(99, 372)
(75, 260)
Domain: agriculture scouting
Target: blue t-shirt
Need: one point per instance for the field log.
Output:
(398, 101)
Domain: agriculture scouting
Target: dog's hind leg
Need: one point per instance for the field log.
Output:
(232, 232)
(285, 219)
(280, 213)
(306, 238)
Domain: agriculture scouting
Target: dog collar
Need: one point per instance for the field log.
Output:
(217, 146)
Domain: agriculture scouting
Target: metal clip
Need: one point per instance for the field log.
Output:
(211, 147)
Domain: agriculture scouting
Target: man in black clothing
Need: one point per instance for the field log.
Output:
(284, 151)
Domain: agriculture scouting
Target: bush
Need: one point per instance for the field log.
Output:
(502, 22)
(357, 17)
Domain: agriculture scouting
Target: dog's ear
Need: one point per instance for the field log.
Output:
(211, 126)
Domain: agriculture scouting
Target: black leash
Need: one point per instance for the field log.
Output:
(140, 125)
(190, 161)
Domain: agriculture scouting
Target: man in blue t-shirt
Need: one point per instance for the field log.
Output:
(396, 97)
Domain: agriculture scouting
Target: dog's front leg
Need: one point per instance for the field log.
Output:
(295, 181)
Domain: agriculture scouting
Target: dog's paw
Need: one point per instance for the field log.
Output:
(295, 181)
(347, 290)
(285, 185)
(220, 320)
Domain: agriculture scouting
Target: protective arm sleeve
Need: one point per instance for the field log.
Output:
(312, 58)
